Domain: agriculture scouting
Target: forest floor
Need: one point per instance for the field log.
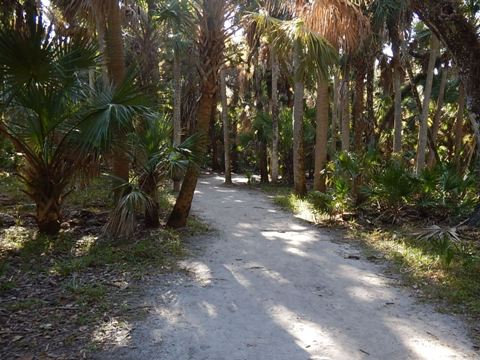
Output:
(266, 285)
(70, 296)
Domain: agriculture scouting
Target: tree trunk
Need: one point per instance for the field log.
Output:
(148, 184)
(116, 72)
(177, 108)
(321, 138)
(423, 131)
(300, 185)
(448, 21)
(274, 111)
(438, 115)
(358, 107)
(371, 120)
(48, 215)
(211, 44)
(336, 116)
(396, 36)
(226, 127)
(346, 111)
(398, 120)
(459, 126)
(178, 217)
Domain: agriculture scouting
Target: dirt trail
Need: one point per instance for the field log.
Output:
(267, 286)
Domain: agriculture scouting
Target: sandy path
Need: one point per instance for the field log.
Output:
(268, 286)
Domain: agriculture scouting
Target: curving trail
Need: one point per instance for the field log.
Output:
(267, 286)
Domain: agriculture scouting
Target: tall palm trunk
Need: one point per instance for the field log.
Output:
(300, 185)
(211, 44)
(181, 210)
(213, 137)
(358, 107)
(395, 35)
(423, 132)
(116, 71)
(459, 126)
(177, 108)
(261, 146)
(274, 111)
(226, 127)
(397, 89)
(336, 116)
(346, 111)
(321, 138)
(438, 115)
(371, 122)
(101, 35)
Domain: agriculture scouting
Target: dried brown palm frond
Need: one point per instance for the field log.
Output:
(341, 22)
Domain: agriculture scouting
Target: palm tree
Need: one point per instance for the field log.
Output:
(321, 138)
(108, 20)
(449, 23)
(210, 41)
(392, 14)
(310, 51)
(423, 132)
(274, 112)
(175, 17)
(51, 120)
(226, 127)
(346, 32)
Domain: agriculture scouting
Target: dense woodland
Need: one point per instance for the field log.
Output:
(367, 109)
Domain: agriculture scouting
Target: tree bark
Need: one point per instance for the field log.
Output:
(321, 138)
(438, 115)
(116, 71)
(336, 116)
(371, 122)
(177, 108)
(359, 107)
(459, 126)
(300, 185)
(226, 127)
(346, 111)
(178, 217)
(423, 131)
(398, 120)
(274, 112)
(211, 45)
(213, 137)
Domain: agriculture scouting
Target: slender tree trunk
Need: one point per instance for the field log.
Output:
(395, 34)
(459, 126)
(300, 185)
(213, 138)
(116, 71)
(274, 111)
(358, 107)
(321, 138)
(336, 116)
(398, 120)
(438, 115)
(261, 146)
(423, 132)
(226, 127)
(177, 108)
(371, 122)
(181, 210)
(211, 40)
(346, 112)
